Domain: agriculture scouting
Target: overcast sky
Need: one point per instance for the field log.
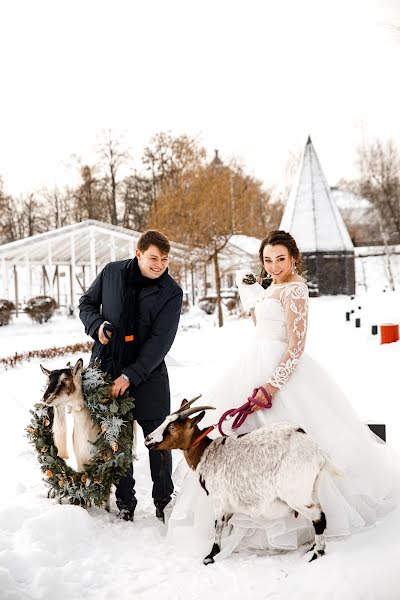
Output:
(251, 77)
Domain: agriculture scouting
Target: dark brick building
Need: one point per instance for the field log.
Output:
(314, 220)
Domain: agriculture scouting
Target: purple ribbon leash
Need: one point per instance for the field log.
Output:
(244, 411)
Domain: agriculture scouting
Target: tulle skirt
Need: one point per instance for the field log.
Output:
(368, 485)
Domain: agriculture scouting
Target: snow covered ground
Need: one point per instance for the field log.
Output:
(48, 551)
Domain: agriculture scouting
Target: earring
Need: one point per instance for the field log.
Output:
(293, 268)
(264, 274)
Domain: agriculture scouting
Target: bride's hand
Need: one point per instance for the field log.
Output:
(261, 398)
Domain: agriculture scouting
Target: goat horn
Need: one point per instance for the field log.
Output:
(186, 406)
(186, 413)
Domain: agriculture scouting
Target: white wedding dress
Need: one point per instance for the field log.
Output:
(369, 485)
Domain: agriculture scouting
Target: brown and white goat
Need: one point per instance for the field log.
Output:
(64, 392)
(270, 472)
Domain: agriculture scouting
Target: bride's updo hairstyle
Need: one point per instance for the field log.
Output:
(283, 238)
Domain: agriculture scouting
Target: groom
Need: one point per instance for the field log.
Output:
(132, 311)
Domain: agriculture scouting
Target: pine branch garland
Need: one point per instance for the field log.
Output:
(112, 451)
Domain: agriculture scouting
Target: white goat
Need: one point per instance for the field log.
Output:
(64, 391)
(269, 472)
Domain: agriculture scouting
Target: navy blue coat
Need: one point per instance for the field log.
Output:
(159, 311)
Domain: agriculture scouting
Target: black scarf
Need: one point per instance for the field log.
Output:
(133, 283)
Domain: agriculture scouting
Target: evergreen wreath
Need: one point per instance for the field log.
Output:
(112, 451)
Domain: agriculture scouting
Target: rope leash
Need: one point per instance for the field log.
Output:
(244, 411)
(240, 414)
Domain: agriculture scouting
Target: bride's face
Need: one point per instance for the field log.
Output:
(278, 262)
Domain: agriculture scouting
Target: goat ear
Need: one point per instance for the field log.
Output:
(184, 402)
(197, 418)
(78, 367)
(45, 371)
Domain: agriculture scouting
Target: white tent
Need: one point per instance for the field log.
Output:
(63, 262)
(74, 253)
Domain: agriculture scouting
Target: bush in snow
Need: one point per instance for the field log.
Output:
(5, 311)
(41, 308)
(231, 305)
(208, 305)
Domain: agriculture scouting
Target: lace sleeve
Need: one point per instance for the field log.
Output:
(294, 299)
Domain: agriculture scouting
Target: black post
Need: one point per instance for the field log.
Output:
(378, 429)
(358, 322)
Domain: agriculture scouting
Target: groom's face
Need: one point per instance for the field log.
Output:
(152, 262)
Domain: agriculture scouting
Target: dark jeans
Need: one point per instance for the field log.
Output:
(160, 468)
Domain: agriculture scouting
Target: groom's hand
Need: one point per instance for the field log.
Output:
(119, 387)
(102, 338)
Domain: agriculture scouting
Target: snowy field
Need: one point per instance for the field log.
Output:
(53, 552)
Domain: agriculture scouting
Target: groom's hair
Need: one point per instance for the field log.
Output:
(152, 237)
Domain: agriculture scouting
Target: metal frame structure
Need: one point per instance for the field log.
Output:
(82, 249)
(78, 252)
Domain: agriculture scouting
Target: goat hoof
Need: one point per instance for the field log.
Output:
(316, 555)
(210, 557)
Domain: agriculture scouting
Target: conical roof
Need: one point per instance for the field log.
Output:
(311, 214)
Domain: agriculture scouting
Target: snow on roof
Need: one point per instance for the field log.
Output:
(311, 214)
(346, 200)
(246, 243)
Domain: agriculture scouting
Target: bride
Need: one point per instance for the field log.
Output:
(303, 394)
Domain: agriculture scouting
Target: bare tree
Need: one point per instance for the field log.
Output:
(379, 182)
(21, 217)
(89, 196)
(59, 206)
(9, 216)
(137, 199)
(359, 215)
(113, 156)
(33, 215)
